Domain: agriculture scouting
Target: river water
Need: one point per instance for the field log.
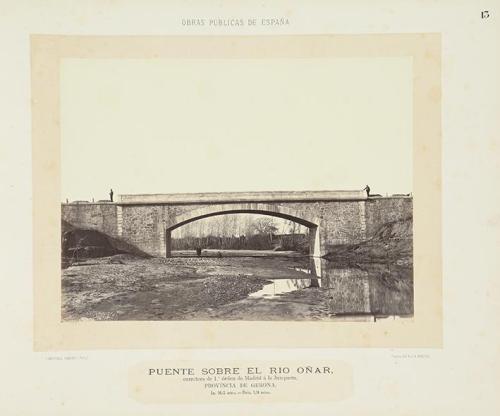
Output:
(368, 290)
(231, 286)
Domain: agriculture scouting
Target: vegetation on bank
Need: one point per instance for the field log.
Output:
(278, 242)
(241, 232)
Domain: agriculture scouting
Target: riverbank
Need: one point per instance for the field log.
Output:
(392, 243)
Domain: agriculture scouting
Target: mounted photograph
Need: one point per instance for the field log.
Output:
(236, 191)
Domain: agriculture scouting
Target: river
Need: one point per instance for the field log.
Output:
(227, 286)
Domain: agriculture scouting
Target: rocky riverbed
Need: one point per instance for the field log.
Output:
(128, 287)
(125, 287)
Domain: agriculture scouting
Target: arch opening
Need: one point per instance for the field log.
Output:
(311, 224)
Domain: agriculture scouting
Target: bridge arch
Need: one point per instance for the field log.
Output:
(274, 210)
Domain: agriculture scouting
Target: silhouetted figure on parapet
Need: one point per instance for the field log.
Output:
(367, 189)
(111, 195)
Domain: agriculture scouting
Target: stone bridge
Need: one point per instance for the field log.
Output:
(147, 221)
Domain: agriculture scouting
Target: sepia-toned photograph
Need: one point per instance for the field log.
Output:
(239, 208)
(236, 189)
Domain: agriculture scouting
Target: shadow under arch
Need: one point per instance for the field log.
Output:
(273, 210)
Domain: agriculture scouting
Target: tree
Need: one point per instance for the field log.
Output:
(264, 226)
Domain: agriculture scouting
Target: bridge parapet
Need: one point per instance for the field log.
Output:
(237, 197)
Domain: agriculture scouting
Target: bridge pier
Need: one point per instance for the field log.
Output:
(168, 243)
(314, 242)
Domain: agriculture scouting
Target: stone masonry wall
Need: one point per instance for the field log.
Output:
(340, 222)
(143, 226)
(383, 210)
(96, 216)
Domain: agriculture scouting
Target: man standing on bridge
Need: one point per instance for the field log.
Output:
(111, 195)
(367, 189)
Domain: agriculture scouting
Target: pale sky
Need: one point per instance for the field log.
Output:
(191, 125)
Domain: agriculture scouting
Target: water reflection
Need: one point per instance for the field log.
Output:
(371, 290)
(278, 287)
(375, 289)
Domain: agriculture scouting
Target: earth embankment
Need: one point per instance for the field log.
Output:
(79, 243)
(392, 242)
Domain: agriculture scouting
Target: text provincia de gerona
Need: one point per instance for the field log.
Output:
(277, 21)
